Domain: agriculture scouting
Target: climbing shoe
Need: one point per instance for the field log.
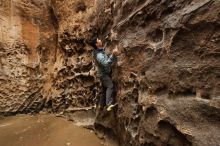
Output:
(110, 107)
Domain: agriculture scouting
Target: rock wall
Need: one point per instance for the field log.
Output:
(167, 77)
(75, 79)
(28, 48)
(168, 74)
(45, 62)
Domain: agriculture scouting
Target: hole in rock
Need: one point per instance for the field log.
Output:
(80, 6)
(184, 92)
(171, 135)
(156, 35)
(151, 111)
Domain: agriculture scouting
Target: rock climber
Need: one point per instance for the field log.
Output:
(103, 63)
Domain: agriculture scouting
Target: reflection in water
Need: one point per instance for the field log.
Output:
(44, 130)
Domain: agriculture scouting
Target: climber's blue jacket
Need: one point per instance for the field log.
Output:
(103, 62)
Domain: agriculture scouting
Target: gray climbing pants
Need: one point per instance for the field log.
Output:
(107, 91)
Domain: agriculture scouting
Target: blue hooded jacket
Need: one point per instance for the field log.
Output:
(103, 62)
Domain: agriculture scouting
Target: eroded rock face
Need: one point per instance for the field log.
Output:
(167, 76)
(45, 61)
(28, 51)
(75, 80)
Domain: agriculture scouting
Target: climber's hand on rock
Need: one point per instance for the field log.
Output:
(115, 52)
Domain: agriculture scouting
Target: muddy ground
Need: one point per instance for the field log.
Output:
(46, 130)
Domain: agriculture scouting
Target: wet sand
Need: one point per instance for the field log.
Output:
(45, 130)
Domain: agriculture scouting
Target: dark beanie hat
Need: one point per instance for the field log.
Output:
(93, 42)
